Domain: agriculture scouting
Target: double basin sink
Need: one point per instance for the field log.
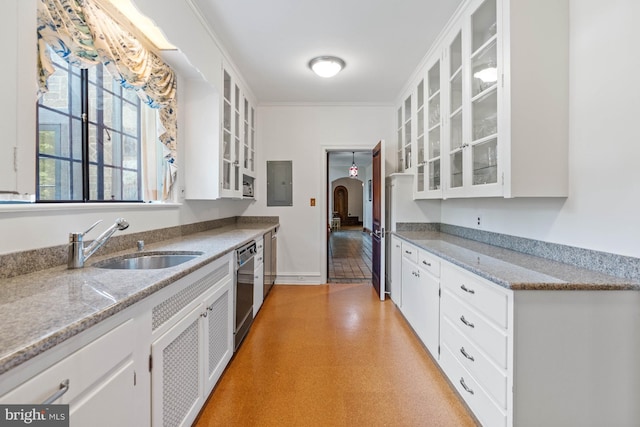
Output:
(148, 260)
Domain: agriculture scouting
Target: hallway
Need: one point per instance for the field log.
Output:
(349, 255)
(331, 355)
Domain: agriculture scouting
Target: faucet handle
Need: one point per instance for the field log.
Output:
(92, 227)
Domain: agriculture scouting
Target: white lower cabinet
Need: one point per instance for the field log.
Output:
(154, 363)
(420, 296)
(194, 343)
(527, 358)
(100, 380)
(395, 267)
(475, 343)
(258, 276)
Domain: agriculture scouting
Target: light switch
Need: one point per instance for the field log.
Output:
(312, 202)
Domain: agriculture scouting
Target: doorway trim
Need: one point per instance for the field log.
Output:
(324, 200)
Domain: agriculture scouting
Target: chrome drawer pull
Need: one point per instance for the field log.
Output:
(467, 290)
(467, 355)
(466, 322)
(467, 389)
(428, 264)
(64, 387)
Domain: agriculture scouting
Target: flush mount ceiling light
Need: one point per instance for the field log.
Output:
(326, 66)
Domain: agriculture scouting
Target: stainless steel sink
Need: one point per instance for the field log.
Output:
(147, 260)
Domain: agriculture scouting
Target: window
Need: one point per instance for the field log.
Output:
(90, 138)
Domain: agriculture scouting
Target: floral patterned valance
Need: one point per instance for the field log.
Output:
(84, 35)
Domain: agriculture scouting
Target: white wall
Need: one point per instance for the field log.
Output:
(303, 134)
(604, 176)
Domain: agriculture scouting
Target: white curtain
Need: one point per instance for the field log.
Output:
(84, 35)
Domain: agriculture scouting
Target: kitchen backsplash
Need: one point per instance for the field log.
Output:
(17, 263)
(603, 262)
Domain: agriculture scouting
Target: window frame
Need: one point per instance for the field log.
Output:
(100, 128)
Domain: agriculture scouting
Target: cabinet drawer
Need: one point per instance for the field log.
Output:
(410, 252)
(483, 296)
(429, 262)
(492, 378)
(82, 369)
(477, 328)
(478, 400)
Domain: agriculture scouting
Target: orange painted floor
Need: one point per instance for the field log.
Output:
(331, 355)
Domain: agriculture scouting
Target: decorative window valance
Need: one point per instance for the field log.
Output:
(84, 35)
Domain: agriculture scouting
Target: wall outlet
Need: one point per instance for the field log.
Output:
(479, 221)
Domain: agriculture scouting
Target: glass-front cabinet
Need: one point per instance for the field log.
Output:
(407, 134)
(428, 181)
(488, 114)
(400, 150)
(238, 148)
(472, 113)
(230, 152)
(420, 155)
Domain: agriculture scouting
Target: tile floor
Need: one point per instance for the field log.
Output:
(349, 255)
(331, 355)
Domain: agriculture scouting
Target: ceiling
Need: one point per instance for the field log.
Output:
(271, 42)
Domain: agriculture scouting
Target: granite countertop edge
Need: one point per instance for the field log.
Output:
(514, 270)
(232, 237)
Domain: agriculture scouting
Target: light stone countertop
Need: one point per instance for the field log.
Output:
(42, 309)
(511, 269)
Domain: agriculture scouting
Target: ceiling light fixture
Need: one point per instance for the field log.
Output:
(326, 66)
(353, 170)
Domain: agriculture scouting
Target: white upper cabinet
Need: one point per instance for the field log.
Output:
(496, 103)
(230, 138)
(220, 139)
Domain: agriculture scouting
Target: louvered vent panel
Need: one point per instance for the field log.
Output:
(218, 331)
(168, 308)
(180, 376)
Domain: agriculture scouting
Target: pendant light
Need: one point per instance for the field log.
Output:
(353, 170)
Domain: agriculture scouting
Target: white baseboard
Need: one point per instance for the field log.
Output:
(298, 279)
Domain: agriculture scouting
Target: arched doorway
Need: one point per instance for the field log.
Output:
(341, 202)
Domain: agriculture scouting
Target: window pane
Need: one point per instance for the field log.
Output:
(94, 150)
(130, 186)
(130, 119)
(130, 153)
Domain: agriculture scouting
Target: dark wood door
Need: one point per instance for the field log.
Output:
(341, 202)
(377, 234)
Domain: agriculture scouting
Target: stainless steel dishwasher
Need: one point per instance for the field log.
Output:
(243, 292)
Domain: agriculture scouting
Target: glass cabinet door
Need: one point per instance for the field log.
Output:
(407, 133)
(433, 130)
(484, 94)
(421, 161)
(400, 163)
(226, 134)
(236, 139)
(455, 112)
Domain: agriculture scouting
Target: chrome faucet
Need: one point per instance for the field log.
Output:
(78, 254)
